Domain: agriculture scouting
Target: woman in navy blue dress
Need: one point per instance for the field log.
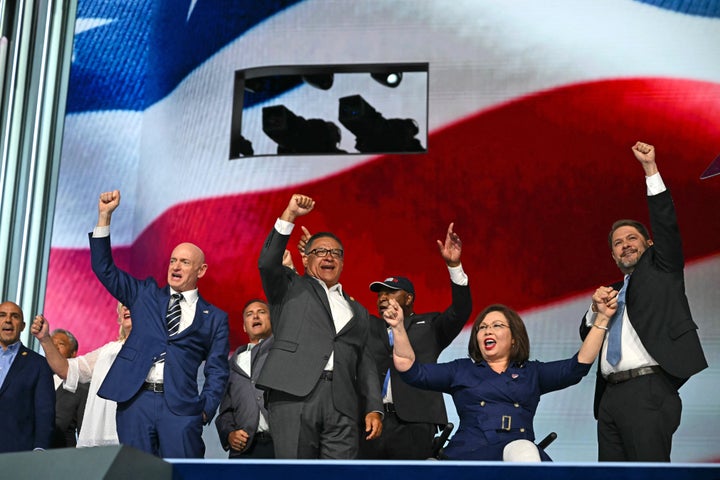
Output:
(497, 390)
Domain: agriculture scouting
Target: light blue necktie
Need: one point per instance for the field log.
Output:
(615, 335)
(387, 374)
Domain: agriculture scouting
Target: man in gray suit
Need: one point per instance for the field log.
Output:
(319, 373)
(242, 422)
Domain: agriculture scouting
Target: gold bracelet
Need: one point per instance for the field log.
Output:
(599, 326)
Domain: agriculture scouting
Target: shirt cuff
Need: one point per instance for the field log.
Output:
(655, 184)
(590, 317)
(458, 276)
(101, 232)
(284, 227)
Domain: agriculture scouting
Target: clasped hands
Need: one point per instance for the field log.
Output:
(605, 301)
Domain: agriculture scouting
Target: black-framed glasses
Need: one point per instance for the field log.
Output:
(496, 327)
(323, 252)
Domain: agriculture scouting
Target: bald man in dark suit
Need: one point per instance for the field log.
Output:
(27, 396)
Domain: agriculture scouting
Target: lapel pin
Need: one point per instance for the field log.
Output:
(514, 375)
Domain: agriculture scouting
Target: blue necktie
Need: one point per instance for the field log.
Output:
(387, 374)
(173, 314)
(172, 319)
(615, 334)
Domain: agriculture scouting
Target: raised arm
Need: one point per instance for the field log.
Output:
(451, 248)
(107, 204)
(645, 154)
(605, 302)
(298, 206)
(40, 329)
(273, 273)
(403, 353)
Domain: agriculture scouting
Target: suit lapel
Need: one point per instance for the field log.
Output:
(202, 311)
(18, 366)
(322, 296)
(356, 314)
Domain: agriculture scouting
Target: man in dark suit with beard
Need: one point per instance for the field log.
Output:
(652, 346)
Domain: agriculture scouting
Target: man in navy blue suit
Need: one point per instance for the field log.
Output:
(154, 377)
(27, 396)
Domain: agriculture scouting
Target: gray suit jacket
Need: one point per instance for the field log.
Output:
(305, 337)
(242, 403)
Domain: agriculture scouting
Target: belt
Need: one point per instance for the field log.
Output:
(326, 375)
(153, 387)
(263, 436)
(389, 408)
(626, 375)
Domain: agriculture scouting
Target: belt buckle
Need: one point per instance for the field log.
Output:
(506, 423)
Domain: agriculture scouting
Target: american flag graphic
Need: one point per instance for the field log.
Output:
(532, 110)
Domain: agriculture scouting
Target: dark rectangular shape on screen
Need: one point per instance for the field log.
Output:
(330, 109)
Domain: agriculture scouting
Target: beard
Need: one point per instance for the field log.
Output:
(628, 263)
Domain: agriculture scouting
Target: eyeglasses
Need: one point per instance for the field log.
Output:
(323, 252)
(496, 327)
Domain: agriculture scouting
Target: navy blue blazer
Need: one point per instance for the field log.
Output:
(494, 408)
(205, 340)
(27, 404)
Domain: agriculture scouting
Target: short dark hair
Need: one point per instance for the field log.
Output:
(73, 341)
(255, 300)
(520, 351)
(626, 222)
(311, 240)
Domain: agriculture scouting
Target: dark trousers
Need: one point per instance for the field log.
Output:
(146, 423)
(261, 447)
(637, 419)
(400, 440)
(310, 426)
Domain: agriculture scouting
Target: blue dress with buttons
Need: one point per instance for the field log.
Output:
(494, 408)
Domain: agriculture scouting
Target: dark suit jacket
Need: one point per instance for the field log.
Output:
(305, 337)
(205, 340)
(69, 410)
(429, 334)
(27, 404)
(243, 401)
(656, 303)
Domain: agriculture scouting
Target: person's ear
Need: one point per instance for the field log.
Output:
(409, 298)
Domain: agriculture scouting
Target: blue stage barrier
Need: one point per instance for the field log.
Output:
(437, 470)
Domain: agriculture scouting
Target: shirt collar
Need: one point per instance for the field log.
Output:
(190, 296)
(12, 348)
(335, 288)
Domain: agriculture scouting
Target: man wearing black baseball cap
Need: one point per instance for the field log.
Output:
(412, 416)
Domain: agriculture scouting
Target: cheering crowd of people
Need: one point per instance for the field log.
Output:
(322, 377)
